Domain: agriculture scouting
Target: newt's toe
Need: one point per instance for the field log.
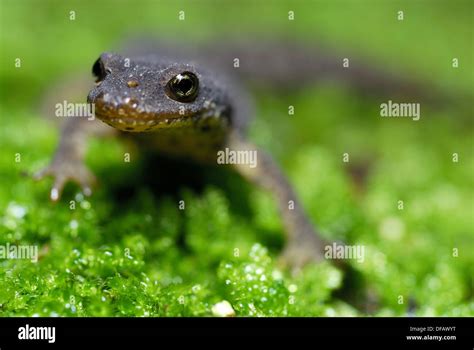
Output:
(64, 172)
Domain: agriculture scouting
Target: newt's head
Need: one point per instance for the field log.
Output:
(147, 94)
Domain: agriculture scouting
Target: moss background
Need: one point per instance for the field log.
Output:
(129, 251)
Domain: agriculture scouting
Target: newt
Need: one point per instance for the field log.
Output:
(193, 106)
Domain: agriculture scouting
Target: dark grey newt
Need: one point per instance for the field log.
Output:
(181, 106)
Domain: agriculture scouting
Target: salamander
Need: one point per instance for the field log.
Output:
(193, 106)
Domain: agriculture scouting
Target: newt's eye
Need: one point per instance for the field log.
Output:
(99, 70)
(183, 87)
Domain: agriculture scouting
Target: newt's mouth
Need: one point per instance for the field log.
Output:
(128, 115)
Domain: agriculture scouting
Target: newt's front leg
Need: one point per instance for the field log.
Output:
(303, 243)
(68, 161)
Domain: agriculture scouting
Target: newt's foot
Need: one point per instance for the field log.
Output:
(64, 171)
(298, 253)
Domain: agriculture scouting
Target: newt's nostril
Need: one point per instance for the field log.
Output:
(94, 96)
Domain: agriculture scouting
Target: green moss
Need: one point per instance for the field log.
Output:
(140, 255)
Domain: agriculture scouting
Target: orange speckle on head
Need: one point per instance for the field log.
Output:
(132, 83)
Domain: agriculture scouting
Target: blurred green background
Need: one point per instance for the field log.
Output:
(144, 257)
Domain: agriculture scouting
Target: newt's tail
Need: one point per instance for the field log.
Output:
(289, 65)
